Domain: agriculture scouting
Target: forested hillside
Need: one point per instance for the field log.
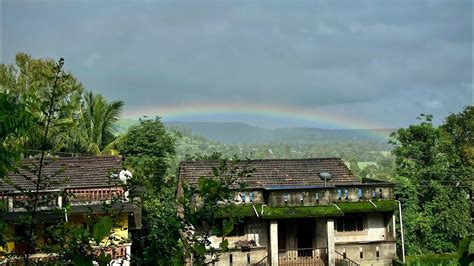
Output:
(241, 133)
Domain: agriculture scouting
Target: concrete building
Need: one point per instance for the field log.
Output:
(75, 190)
(305, 212)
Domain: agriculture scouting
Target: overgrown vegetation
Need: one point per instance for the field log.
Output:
(434, 173)
(431, 165)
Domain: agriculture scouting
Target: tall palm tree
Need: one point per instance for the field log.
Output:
(94, 130)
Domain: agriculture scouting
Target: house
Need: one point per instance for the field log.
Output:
(77, 188)
(305, 212)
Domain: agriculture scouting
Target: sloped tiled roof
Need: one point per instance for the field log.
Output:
(284, 173)
(67, 172)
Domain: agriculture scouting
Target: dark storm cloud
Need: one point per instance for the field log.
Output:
(386, 61)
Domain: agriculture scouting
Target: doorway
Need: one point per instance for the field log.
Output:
(304, 234)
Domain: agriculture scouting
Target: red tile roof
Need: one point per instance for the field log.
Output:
(277, 173)
(88, 171)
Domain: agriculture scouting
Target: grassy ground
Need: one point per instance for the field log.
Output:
(447, 259)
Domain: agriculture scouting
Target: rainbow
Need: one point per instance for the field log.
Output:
(199, 109)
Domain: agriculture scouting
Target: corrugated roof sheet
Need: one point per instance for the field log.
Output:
(89, 171)
(277, 173)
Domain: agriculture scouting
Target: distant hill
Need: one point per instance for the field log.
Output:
(241, 133)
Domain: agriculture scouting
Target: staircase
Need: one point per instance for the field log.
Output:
(342, 260)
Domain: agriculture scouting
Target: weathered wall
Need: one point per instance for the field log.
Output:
(375, 230)
(387, 252)
(326, 196)
(242, 258)
(321, 239)
(254, 229)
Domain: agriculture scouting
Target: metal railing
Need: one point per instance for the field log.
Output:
(343, 260)
(303, 256)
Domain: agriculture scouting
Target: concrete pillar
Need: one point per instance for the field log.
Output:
(274, 242)
(331, 244)
(60, 201)
(10, 204)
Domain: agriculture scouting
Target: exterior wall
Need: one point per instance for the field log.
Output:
(321, 240)
(375, 230)
(387, 252)
(257, 197)
(277, 198)
(256, 230)
(120, 230)
(326, 195)
(256, 255)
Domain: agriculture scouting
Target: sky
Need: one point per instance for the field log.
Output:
(328, 64)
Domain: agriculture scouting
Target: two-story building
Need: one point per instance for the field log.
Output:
(305, 212)
(75, 188)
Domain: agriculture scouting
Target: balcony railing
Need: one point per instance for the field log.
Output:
(303, 256)
(117, 252)
(86, 195)
(56, 199)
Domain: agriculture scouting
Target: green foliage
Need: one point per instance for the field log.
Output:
(93, 130)
(466, 250)
(102, 228)
(149, 151)
(200, 204)
(31, 81)
(447, 259)
(15, 121)
(432, 185)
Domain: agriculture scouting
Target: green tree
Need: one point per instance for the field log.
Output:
(30, 81)
(15, 121)
(200, 207)
(149, 150)
(94, 130)
(436, 208)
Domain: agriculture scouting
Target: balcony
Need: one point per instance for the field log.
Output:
(79, 196)
(303, 256)
(52, 201)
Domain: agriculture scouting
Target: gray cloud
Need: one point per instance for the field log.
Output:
(386, 61)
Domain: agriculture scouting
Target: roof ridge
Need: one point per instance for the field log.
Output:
(269, 160)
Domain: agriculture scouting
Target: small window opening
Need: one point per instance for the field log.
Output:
(317, 197)
(301, 197)
(374, 194)
(248, 258)
(380, 193)
(243, 196)
(346, 194)
(286, 198)
(339, 194)
(359, 193)
(251, 196)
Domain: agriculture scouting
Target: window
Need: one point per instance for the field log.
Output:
(239, 229)
(251, 197)
(242, 196)
(351, 223)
